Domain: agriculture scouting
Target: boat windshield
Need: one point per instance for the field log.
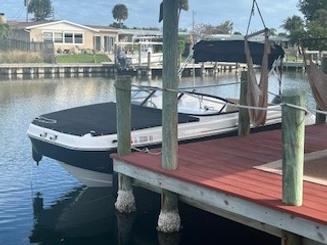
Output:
(189, 102)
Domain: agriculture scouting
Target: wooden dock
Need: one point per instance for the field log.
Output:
(221, 176)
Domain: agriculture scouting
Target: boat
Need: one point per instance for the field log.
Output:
(83, 138)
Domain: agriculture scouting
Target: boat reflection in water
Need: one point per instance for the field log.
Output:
(87, 216)
(83, 215)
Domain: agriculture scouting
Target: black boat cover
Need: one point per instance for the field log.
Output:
(101, 119)
(233, 51)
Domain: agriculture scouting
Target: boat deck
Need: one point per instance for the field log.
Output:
(228, 166)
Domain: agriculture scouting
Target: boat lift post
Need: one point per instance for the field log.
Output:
(293, 134)
(243, 117)
(169, 219)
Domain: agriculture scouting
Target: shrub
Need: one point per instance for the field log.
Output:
(17, 56)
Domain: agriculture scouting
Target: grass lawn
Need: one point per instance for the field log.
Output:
(82, 58)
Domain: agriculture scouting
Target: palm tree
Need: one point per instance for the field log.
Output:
(120, 13)
(42, 9)
(293, 24)
(183, 5)
(295, 27)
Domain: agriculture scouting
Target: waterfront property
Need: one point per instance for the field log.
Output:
(71, 37)
(66, 36)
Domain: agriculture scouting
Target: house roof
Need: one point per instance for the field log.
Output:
(36, 24)
(105, 28)
(24, 25)
(140, 32)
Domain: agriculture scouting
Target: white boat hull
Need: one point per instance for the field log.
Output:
(88, 177)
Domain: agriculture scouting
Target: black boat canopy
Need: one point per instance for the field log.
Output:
(233, 51)
(100, 119)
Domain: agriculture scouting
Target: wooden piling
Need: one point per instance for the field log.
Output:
(149, 60)
(170, 86)
(169, 220)
(149, 72)
(243, 115)
(125, 201)
(289, 238)
(293, 127)
(321, 118)
(203, 69)
(140, 54)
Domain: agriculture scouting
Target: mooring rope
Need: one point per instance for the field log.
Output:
(306, 110)
(146, 150)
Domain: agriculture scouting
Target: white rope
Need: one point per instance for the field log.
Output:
(146, 150)
(254, 107)
(212, 85)
(318, 111)
(312, 111)
(296, 107)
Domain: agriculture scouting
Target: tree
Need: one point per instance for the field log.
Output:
(314, 32)
(273, 31)
(225, 28)
(295, 27)
(120, 13)
(41, 9)
(310, 7)
(117, 25)
(321, 16)
(4, 30)
(282, 34)
(183, 5)
(293, 23)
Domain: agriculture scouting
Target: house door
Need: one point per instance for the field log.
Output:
(97, 43)
(109, 44)
(106, 44)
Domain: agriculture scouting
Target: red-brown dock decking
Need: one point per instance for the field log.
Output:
(226, 165)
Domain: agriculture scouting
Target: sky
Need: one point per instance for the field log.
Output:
(144, 13)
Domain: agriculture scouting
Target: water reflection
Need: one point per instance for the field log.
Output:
(169, 239)
(124, 226)
(87, 216)
(78, 217)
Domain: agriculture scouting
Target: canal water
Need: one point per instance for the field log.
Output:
(45, 205)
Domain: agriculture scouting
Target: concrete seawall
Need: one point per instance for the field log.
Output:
(17, 71)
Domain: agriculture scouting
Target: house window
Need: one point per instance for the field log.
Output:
(78, 38)
(58, 37)
(68, 37)
(47, 36)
